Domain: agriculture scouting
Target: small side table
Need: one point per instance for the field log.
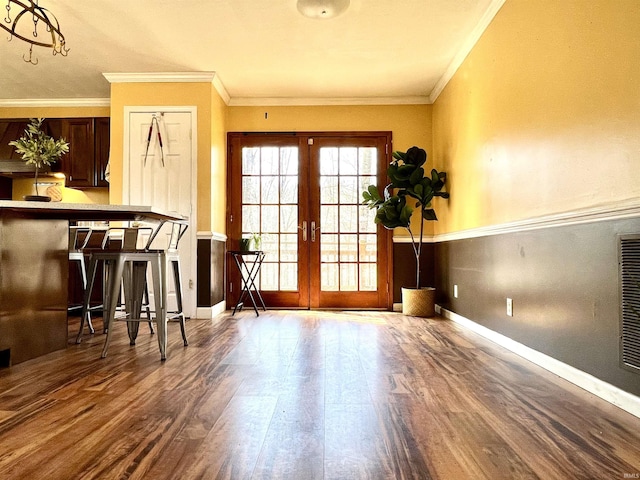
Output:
(249, 263)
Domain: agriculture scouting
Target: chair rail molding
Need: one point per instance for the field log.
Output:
(619, 210)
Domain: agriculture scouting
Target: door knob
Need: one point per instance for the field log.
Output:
(303, 227)
(313, 231)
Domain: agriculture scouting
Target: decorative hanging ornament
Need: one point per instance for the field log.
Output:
(157, 126)
(25, 19)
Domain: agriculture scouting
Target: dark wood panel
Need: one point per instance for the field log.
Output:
(6, 188)
(102, 148)
(33, 286)
(203, 275)
(218, 268)
(78, 164)
(211, 254)
(305, 395)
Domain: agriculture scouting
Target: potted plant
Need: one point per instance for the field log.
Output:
(245, 244)
(396, 206)
(39, 149)
(256, 241)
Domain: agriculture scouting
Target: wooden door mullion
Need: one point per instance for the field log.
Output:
(304, 215)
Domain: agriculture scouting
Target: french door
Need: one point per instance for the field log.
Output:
(301, 193)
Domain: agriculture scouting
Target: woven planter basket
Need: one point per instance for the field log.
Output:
(419, 302)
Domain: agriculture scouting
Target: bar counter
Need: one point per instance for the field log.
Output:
(34, 270)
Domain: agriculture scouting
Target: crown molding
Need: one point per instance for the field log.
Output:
(172, 77)
(466, 48)
(222, 91)
(160, 77)
(56, 102)
(313, 101)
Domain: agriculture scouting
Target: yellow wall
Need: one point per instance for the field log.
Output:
(24, 186)
(409, 124)
(218, 199)
(166, 94)
(542, 117)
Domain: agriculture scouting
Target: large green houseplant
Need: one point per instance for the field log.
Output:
(409, 191)
(39, 149)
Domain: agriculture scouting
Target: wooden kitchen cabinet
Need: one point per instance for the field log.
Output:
(78, 165)
(102, 129)
(88, 138)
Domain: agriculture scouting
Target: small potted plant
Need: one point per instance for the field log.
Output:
(256, 241)
(245, 244)
(39, 149)
(394, 209)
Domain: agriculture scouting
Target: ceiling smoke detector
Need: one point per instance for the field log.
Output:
(322, 8)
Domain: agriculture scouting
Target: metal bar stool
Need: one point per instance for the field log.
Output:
(176, 232)
(129, 266)
(130, 238)
(114, 239)
(78, 240)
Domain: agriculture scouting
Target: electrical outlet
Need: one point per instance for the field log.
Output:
(509, 307)
(455, 291)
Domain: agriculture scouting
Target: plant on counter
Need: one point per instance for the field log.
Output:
(408, 184)
(39, 149)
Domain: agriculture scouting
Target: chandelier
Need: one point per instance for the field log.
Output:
(25, 19)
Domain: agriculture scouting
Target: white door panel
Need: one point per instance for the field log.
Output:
(161, 176)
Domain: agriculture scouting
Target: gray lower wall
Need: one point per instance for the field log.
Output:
(564, 285)
(404, 268)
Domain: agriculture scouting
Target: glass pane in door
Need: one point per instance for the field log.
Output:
(348, 246)
(270, 208)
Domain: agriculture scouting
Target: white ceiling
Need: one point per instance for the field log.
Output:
(261, 50)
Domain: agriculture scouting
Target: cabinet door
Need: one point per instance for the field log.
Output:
(78, 164)
(102, 142)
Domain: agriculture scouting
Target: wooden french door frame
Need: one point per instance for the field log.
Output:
(307, 295)
(235, 143)
(348, 299)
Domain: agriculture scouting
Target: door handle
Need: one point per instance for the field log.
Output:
(313, 231)
(304, 230)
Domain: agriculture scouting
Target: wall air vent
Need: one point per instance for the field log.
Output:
(629, 260)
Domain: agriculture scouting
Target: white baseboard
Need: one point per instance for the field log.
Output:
(210, 312)
(604, 390)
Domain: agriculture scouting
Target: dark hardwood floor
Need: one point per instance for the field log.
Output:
(305, 395)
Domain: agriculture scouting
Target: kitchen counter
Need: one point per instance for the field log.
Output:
(34, 270)
(86, 211)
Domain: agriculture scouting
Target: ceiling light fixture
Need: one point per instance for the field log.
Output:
(322, 8)
(24, 25)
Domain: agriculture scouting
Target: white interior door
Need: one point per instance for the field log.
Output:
(159, 170)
